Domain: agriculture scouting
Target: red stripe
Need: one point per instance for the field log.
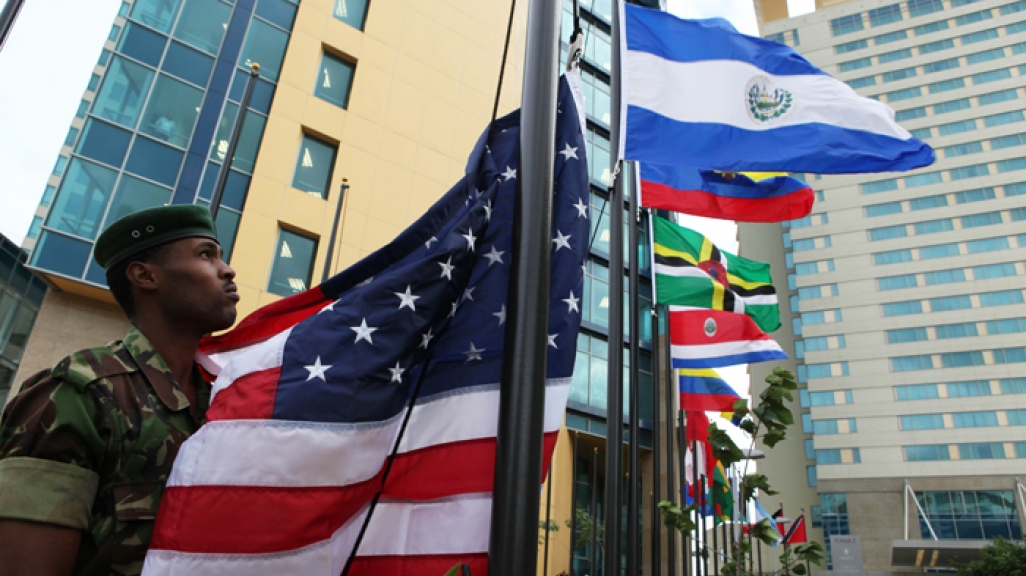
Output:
(421, 565)
(689, 328)
(791, 206)
(254, 519)
(251, 397)
(708, 402)
(268, 320)
(263, 519)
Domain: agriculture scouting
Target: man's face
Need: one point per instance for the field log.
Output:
(196, 286)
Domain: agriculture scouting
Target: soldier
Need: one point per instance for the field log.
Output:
(86, 447)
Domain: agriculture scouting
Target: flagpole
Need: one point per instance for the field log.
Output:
(513, 547)
(657, 526)
(699, 514)
(633, 491)
(7, 18)
(670, 435)
(685, 559)
(233, 143)
(715, 540)
(594, 512)
(573, 498)
(614, 380)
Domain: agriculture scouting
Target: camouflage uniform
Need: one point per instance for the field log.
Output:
(89, 444)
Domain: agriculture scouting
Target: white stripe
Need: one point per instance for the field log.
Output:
(722, 349)
(457, 525)
(256, 358)
(682, 271)
(289, 453)
(716, 92)
(325, 558)
(760, 299)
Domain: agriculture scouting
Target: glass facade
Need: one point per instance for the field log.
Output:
(970, 515)
(21, 294)
(158, 126)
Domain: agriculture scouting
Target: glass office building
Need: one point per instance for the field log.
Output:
(21, 293)
(906, 290)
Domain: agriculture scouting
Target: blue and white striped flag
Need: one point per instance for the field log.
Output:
(699, 94)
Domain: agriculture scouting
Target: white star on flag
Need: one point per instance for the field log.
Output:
(468, 294)
(571, 303)
(510, 173)
(488, 211)
(455, 305)
(366, 282)
(474, 353)
(552, 340)
(470, 239)
(501, 315)
(363, 332)
(328, 308)
(562, 241)
(582, 208)
(317, 370)
(447, 268)
(569, 152)
(425, 339)
(407, 299)
(430, 241)
(494, 256)
(397, 373)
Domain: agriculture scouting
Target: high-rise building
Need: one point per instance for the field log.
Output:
(21, 293)
(906, 290)
(391, 95)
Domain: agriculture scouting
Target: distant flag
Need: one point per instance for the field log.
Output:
(691, 271)
(704, 389)
(760, 515)
(312, 392)
(722, 497)
(699, 94)
(796, 533)
(703, 463)
(780, 520)
(745, 197)
(711, 339)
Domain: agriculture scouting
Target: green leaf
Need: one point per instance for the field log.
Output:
(747, 426)
(799, 569)
(455, 570)
(773, 438)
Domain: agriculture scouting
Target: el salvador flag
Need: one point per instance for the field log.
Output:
(699, 94)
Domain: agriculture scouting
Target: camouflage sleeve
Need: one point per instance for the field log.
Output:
(53, 438)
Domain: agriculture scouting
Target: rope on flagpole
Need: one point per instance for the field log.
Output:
(502, 66)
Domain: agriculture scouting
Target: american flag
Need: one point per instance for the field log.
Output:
(312, 393)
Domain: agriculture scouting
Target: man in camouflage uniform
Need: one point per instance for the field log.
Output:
(87, 446)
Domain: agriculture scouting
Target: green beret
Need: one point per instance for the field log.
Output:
(145, 229)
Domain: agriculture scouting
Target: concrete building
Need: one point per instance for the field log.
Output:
(906, 291)
(389, 94)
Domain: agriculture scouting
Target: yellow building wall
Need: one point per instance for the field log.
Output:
(422, 93)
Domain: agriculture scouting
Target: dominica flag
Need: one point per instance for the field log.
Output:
(721, 496)
(704, 389)
(692, 272)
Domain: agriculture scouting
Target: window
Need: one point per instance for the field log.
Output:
(856, 64)
(896, 75)
(1007, 141)
(987, 245)
(924, 7)
(1004, 298)
(862, 82)
(963, 149)
(875, 210)
(1006, 326)
(890, 37)
(37, 222)
(877, 234)
(946, 303)
(896, 282)
(921, 133)
(934, 226)
(885, 15)
(846, 24)
(1011, 165)
(159, 14)
(827, 370)
(911, 363)
(905, 94)
(944, 277)
(910, 114)
(976, 195)
(946, 85)
(1017, 189)
(962, 359)
(917, 392)
(203, 24)
(314, 166)
(931, 27)
(265, 45)
(1000, 96)
(895, 55)
(280, 12)
(124, 88)
(936, 46)
(956, 127)
(904, 335)
(133, 195)
(892, 257)
(1002, 119)
(949, 331)
(1013, 8)
(334, 80)
(927, 453)
(991, 76)
(821, 317)
(352, 12)
(981, 451)
(968, 389)
(142, 44)
(938, 251)
(879, 186)
(1017, 214)
(293, 264)
(104, 142)
(838, 456)
(993, 271)
(82, 199)
(903, 308)
(952, 106)
(810, 475)
(814, 292)
(1013, 386)
(974, 419)
(973, 17)
(155, 161)
(922, 422)
(851, 46)
(985, 56)
(923, 179)
(941, 65)
(985, 219)
(980, 36)
(172, 110)
(188, 64)
(969, 172)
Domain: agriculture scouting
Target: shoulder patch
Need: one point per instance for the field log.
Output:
(84, 367)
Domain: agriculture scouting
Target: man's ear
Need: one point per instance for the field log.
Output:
(142, 275)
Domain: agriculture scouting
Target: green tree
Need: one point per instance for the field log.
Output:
(999, 558)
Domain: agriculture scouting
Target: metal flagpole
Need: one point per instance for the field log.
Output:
(573, 500)
(7, 18)
(670, 385)
(614, 381)
(513, 547)
(334, 230)
(633, 491)
(715, 540)
(699, 515)
(703, 502)
(685, 559)
(548, 520)
(594, 511)
(657, 526)
(233, 143)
